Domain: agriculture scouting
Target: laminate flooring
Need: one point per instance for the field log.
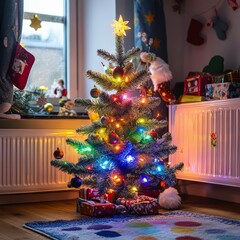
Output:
(12, 217)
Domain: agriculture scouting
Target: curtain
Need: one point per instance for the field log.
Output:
(150, 23)
(11, 17)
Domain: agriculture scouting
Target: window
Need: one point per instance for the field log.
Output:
(47, 44)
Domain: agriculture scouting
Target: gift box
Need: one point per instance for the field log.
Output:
(218, 91)
(92, 194)
(95, 209)
(195, 83)
(141, 205)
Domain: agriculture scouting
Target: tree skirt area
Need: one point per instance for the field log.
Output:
(177, 225)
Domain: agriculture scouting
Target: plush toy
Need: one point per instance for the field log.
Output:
(169, 199)
(215, 66)
(159, 69)
(60, 91)
(160, 75)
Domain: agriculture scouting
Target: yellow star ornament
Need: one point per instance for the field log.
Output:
(120, 26)
(35, 22)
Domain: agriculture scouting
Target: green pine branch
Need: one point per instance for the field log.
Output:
(107, 56)
(107, 82)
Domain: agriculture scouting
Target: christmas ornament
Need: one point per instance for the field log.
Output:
(104, 120)
(154, 134)
(120, 26)
(158, 68)
(58, 154)
(170, 199)
(118, 72)
(113, 138)
(76, 182)
(35, 22)
(48, 107)
(95, 92)
(93, 116)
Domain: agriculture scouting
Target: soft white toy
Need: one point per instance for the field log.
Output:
(169, 199)
(159, 69)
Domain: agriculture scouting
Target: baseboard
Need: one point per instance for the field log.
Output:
(207, 190)
(38, 196)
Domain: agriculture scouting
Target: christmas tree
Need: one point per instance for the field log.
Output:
(122, 151)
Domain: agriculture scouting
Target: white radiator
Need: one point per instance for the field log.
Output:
(191, 126)
(25, 156)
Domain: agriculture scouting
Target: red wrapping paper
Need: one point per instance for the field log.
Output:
(142, 205)
(95, 209)
(92, 194)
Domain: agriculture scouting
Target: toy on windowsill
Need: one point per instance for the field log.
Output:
(60, 91)
(67, 109)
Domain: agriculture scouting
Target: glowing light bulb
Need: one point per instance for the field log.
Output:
(143, 100)
(117, 125)
(117, 148)
(124, 96)
(89, 168)
(144, 180)
(141, 120)
(104, 164)
(159, 168)
(130, 158)
(126, 79)
(134, 189)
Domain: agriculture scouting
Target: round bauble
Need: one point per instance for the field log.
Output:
(118, 72)
(154, 134)
(104, 120)
(58, 154)
(95, 92)
(48, 107)
(76, 182)
(113, 138)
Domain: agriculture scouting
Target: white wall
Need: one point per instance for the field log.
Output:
(184, 57)
(95, 33)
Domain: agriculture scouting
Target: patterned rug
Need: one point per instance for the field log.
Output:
(175, 225)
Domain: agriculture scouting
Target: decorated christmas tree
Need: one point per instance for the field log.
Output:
(122, 152)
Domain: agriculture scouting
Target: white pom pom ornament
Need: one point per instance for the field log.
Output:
(169, 199)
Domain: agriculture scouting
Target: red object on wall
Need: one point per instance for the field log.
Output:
(20, 66)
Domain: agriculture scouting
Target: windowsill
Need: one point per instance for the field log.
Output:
(54, 116)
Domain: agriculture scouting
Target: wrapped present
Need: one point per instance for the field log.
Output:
(218, 91)
(92, 194)
(79, 202)
(190, 98)
(94, 209)
(154, 193)
(141, 205)
(195, 83)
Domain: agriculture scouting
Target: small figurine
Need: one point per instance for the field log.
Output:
(60, 91)
(67, 109)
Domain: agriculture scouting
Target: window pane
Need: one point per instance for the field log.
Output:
(47, 44)
(50, 7)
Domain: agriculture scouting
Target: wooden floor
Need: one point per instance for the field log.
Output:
(12, 217)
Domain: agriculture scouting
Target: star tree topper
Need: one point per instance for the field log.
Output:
(35, 22)
(120, 26)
